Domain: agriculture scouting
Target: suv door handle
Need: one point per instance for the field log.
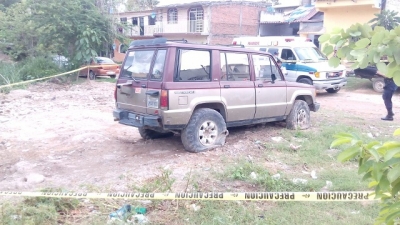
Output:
(143, 85)
(260, 85)
(152, 93)
(227, 86)
(129, 82)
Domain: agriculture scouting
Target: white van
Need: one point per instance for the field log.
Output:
(303, 61)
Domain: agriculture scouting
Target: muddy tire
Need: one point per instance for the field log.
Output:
(92, 75)
(332, 90)
(299, 117)
(206, 130)
(378, 85)
(152, 134)
(305, 81)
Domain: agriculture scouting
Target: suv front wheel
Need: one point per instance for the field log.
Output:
(206, 129)
(299, 117)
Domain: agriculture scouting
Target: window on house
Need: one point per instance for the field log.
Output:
(123, 20)
(172, 16)
(134, 21)
(235, 67)
(196, 16)
(123, 48)
(190, 70)
(152, 20)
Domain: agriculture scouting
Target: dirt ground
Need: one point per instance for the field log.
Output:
(64, 136)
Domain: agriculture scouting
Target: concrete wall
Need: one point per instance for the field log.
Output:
(344, 17)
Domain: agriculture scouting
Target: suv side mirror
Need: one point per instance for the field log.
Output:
(273, 77)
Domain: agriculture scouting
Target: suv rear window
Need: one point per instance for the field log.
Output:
(194, 65)
(137, 64)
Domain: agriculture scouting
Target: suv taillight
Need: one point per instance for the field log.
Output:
(115, 93)
(164, 99)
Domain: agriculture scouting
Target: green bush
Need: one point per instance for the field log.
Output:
(38, 67)
(9, 73)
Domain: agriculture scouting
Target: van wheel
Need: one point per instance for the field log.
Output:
(332, 90)
(206, 129)
(305, 81)
(299, 117)
(152, 134)
(92, 76)
(378, 84)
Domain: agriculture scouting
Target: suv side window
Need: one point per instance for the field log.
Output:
(158, 68)
(288, 54)
(273, 51)
(264, 67)
(234, 66)
(194, 65)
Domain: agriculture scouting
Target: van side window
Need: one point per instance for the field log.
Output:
(288, 54)
(194, 65)
(264, 67)
(158, 68)
(234, 66)
(273, 51)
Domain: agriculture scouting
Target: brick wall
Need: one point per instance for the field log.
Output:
(233, 20)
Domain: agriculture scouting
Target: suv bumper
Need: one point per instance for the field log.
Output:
(325, 84)
(136, 120)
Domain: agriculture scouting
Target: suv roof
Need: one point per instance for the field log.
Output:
(183, 43)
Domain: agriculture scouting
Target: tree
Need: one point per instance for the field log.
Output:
(387, 19)
(77, 29)
(365, 46)
(139, 5)
(380, 163)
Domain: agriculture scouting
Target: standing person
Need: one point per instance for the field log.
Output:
(388, 91)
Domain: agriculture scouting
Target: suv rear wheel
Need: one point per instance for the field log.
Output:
(206, 129)
(152, 134)
(299, 117)
(332, 90)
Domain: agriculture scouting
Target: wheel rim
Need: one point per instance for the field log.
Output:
(302, 119)
(379, 86)
(91, 75)
(208, 133)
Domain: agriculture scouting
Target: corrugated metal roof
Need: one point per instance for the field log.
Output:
(300, 14)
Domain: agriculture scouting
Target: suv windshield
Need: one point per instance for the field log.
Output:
(137, 64)
(308, 53)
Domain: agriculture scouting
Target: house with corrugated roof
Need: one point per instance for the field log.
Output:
(298, 18)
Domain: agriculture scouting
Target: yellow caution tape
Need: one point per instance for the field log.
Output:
(44, 78)
(251, 196)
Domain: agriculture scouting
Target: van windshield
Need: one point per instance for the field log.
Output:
(308, 53)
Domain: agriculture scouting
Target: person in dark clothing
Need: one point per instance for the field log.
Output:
(388, 91)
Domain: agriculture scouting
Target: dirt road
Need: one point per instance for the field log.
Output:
(64, 136)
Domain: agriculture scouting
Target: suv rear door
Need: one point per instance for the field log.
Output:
(133, 80)
(154, 85)
(237, 88)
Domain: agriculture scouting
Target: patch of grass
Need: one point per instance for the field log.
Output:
(38, 210)
(355, 83)
(160, 183)
(104, 79)
(280, 213)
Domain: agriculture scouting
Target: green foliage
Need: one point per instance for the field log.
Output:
(39, 210)
(137, 5)
(77, 29)
(33, 68)
(379, 163)
(366, 46)
(387, 19)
